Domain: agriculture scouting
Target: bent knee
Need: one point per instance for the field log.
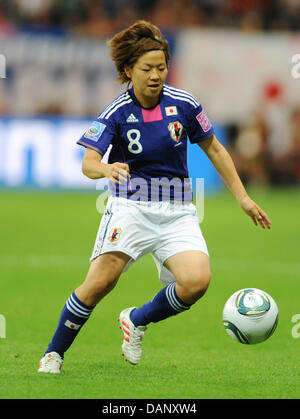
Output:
(193, 288)
(198, 286)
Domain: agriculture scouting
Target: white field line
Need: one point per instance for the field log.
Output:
(273, 267)
(38, 260)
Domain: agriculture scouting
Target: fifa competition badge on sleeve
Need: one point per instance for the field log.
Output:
(95, 131)
(203, 121)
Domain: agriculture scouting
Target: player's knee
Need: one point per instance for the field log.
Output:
(98, 287)
(105, 279)
(204, 283)
(102, 276)
(194, 287)
(199, 285)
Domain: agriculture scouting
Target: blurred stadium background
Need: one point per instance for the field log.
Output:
(235, 56)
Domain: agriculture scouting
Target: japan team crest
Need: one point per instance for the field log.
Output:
(114, 234)
(175, 129)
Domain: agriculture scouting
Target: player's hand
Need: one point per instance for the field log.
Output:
(255, 212)
(117, 172)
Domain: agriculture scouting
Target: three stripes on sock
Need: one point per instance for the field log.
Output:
(164, 304)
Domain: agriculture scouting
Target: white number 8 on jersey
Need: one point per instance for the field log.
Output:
(134, 145)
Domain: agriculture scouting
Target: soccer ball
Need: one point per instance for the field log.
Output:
(250, 316)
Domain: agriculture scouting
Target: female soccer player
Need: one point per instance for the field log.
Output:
(151, 209)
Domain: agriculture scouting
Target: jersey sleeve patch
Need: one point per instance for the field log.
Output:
(203, 121)
(95, 131)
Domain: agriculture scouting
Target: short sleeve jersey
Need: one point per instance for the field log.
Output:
(153, 142)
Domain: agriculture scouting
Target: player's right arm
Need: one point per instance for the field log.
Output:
(94, 168)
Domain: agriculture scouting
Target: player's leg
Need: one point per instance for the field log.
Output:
(101, 278)
(181, 246)
(192, 273)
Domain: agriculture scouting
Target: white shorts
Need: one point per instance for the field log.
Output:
(160, 228)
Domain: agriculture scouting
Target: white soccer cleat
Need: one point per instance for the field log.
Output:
(133, 336)
(51, 363)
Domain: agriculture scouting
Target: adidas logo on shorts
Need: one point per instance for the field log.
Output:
(132, 118)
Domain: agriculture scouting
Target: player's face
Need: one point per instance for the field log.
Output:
(148, 76)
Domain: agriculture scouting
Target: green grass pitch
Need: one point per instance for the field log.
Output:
(46, 242)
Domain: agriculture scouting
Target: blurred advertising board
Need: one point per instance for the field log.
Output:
(42, 153)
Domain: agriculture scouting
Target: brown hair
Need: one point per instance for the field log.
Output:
(128, 45)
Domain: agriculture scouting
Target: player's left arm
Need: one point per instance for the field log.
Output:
(223, 163)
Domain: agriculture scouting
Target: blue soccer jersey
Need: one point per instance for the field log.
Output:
(153, 142)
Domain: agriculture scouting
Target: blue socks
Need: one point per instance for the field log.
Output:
(165, 303)
(73, 316)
